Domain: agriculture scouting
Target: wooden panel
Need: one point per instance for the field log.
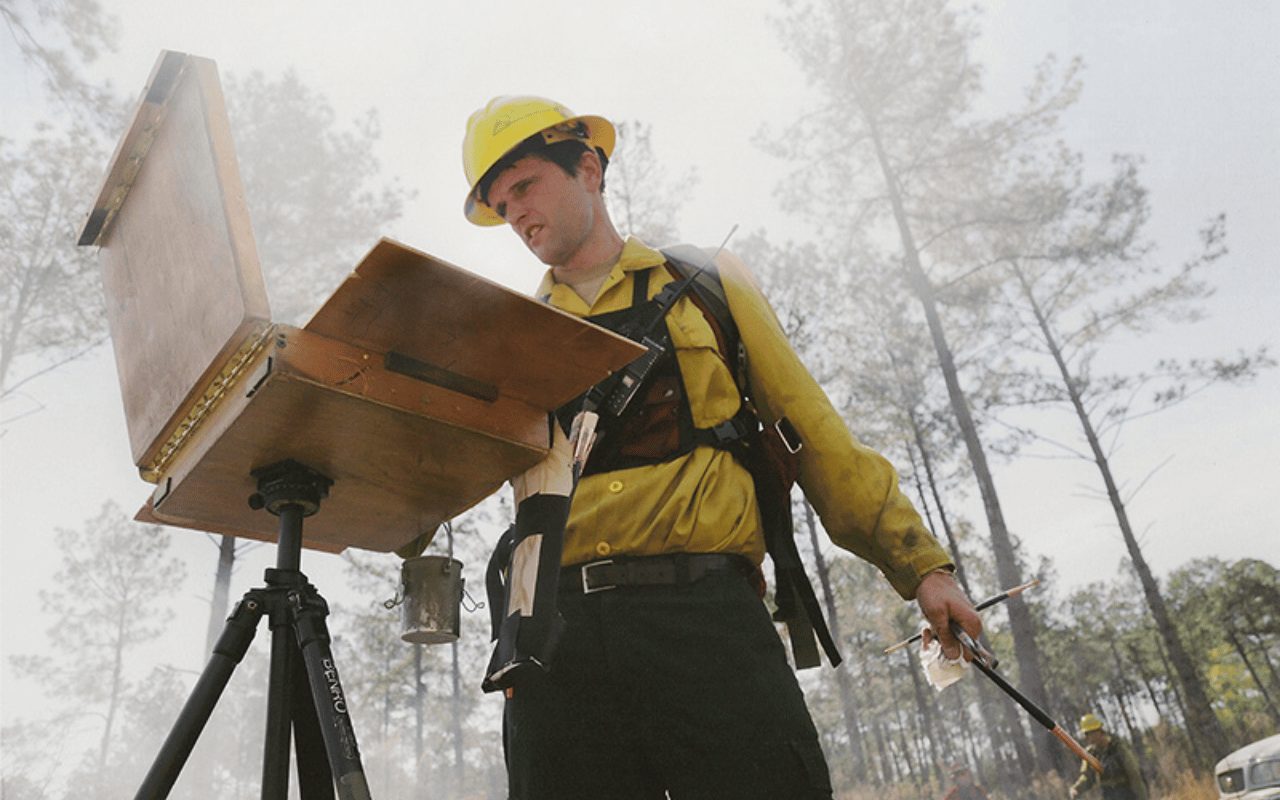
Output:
(213, 390)
(397, 472)
(180, 268)
(400, 300)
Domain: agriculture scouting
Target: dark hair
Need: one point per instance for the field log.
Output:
(564, 154)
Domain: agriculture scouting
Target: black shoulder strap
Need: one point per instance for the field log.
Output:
(689, 260)
(707, 288)
(798, 606)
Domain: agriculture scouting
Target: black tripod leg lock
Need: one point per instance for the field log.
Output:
(241, 626)
(308, 610)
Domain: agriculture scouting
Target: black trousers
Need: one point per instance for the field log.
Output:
(683, 690)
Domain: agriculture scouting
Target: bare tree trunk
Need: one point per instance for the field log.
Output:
(1262, 651)
(1008, 571)
(1202, 724)
(930, 724)
(457, 719)
(419, 711)
(1146, 680)
(1244, 656)
(844, 684)
(113, 697)
(888, 769)
(908, 752)
(876, 769)
(1193, 753)
(219, 604)
(989, 698)
(1121, 690)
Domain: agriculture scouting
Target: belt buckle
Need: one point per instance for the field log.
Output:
(587, 588)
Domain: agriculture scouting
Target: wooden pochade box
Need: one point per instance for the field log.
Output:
(418, 388)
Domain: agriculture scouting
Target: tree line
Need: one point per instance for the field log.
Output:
(425, 730)
(982, 257)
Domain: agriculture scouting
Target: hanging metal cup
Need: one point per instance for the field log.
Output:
(432, 587)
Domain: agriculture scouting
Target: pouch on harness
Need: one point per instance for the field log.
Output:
(645, 418)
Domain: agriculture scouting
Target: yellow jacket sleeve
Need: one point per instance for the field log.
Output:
(853, 488)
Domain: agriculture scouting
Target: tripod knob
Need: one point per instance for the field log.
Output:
(289, 483)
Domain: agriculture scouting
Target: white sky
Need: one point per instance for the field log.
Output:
(1188, 86)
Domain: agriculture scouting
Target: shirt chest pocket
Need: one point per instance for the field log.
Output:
(713, 395)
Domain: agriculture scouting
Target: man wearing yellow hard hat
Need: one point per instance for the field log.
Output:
(1121, 778)
(669, 675)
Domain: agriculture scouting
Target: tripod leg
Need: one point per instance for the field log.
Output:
(315, 779)
(227, 654)
(275, 758)
(326, 690)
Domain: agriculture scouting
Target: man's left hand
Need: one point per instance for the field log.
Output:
(941, 601)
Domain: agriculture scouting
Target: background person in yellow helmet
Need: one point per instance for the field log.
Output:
(964, 788)
(670, 676)
(1121, 778)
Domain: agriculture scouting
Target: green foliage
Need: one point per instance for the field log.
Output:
(1229, 613)
(1103, 656)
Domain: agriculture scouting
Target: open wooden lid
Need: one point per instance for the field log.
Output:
(184, 289)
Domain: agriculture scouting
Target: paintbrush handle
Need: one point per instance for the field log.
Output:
(1070, 741)
(1040, 716)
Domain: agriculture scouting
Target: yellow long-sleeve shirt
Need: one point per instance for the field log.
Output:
(705, 501)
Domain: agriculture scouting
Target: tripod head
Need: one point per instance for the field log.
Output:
(289, 483)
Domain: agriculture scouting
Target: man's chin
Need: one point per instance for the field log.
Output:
(543, 257)
(548, 256)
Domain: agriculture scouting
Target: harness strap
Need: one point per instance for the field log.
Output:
(770, 456)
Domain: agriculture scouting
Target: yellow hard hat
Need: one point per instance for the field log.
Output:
(499, 127)
(1090, 723)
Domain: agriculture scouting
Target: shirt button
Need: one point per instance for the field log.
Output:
(603, 548)
(615, 487)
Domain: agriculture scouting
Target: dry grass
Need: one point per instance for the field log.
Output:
(1185, 786)
(1180, 786)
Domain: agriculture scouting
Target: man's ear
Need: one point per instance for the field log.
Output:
(590, 169)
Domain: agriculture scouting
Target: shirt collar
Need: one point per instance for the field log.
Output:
(635, 255)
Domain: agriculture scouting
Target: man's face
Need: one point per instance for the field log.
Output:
(552, 212)
(1096, 737)
(964, 778)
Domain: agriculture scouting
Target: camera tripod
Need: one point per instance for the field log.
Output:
(304, 695)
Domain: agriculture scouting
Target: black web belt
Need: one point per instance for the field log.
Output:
(662, 570)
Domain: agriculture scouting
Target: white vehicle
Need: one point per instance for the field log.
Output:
(1252, 772)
